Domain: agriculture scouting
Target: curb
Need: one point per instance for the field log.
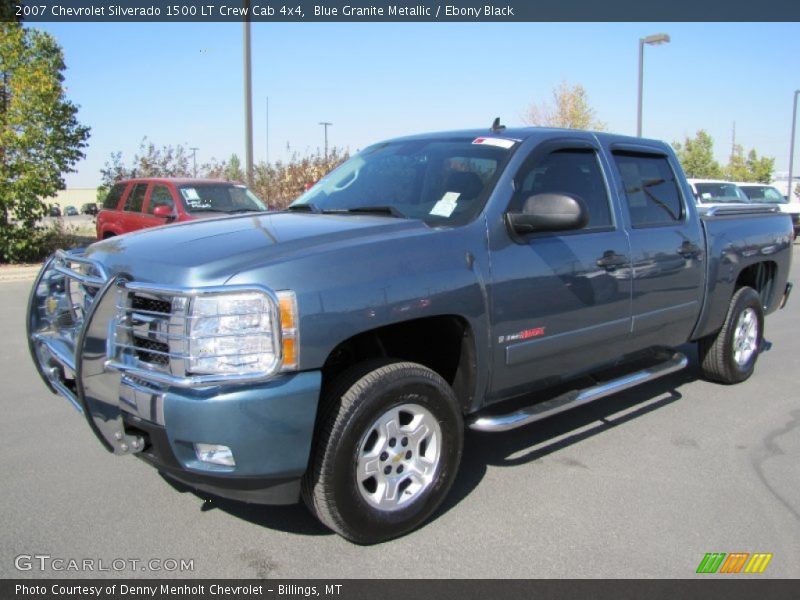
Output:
(18, 273)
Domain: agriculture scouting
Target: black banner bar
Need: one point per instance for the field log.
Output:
(386, 11)
(707, 588)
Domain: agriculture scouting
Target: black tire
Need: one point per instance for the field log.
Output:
(355, 403)
(718, 351)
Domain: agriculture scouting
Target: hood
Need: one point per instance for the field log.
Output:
(211, 251)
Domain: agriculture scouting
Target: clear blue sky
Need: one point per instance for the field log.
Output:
(182, 83)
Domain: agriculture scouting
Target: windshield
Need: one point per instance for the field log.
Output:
(719, 192)
(440, 181)
(764, 193)
(219, 197)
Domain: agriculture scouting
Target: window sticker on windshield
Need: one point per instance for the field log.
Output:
(445, 206)
(193, 199)
(493, 141)
(705, 195)
(190, 194)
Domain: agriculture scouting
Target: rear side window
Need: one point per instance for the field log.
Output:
(113, 197)
(651, 190)
(135, 199)
(160, 196)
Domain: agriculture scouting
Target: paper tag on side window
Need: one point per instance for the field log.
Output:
(445, 206)
(190, 193)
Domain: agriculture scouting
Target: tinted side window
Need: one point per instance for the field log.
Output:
(135, 199)
(573, 172)
(112, 199)
(160, 196)
(651, 191)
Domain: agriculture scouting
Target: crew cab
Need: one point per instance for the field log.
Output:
(337, 350)
(133, 204)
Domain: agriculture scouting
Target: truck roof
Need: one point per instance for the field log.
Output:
(177, 180)
(523, 133)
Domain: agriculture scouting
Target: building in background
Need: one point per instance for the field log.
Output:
(76, 197)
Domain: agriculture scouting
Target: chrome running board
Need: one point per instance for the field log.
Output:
(574, 398)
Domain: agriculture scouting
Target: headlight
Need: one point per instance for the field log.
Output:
(242, 333)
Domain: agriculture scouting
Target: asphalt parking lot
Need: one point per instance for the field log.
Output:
(641, 484)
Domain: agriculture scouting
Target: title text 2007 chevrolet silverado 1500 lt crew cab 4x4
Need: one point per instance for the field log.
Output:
(335, 351)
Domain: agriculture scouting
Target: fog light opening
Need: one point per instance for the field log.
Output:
(216, 454)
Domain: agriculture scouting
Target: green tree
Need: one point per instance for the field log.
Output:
(229, 170)
(149, 161)
(751, 168)
(696, 156)
(569, 108)
(40, 136)
(736, 169)
(233, 170)
(760, 168)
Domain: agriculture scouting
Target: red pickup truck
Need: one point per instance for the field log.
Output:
(134, 204)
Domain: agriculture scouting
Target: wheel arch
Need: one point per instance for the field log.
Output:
(443, 343)
(760, 276)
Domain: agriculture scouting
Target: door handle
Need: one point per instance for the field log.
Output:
(610, 260)
(689, 250)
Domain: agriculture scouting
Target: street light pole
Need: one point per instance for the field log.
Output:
(248, 100)
(655, 39)
(194, 160)
(326, 124)
(267, 130)
(789, 190)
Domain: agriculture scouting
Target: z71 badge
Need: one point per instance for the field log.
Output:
(522, 335)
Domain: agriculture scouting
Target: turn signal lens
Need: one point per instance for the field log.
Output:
(287, 304)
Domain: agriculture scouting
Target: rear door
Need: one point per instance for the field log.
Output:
(132, 219)
(108, 217)
(667, 246)
(561, 301)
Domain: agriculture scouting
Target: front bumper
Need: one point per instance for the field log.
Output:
(268, 425)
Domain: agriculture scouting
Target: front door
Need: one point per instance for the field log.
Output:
(561, 302)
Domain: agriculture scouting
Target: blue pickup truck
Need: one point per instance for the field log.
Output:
(336, 351)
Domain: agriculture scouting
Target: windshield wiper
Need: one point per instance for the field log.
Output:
(306, 207)
(390, 211)
(243, 210)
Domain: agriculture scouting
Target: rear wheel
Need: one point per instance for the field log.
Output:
(730, 355)
(387, 450)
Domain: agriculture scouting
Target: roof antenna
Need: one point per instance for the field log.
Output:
(496, 127)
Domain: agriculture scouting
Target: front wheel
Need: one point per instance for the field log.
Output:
(388, 446)
(729, 356)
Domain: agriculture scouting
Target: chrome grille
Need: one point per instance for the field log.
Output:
(149, 332)
(151, 351)
(141, 303)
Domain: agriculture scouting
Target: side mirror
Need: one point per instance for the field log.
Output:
(549, 212)
(164, 211)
